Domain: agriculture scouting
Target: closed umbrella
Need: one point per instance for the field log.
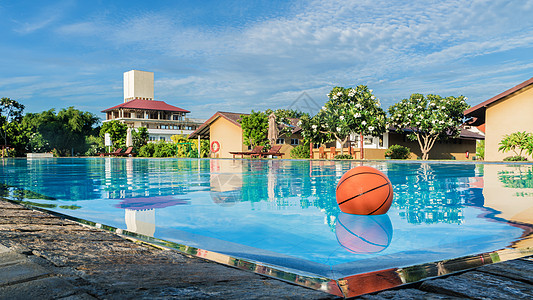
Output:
(129, 138)
(273, 131)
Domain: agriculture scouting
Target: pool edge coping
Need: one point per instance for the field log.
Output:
(345, 287)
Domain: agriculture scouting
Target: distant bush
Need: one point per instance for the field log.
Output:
(480, 149)
(164, 149)
(515, 158)
(9, 152)
(343, 156)
(147, 150)
(300, 151)
(398, 152)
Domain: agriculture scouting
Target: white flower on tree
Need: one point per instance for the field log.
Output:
(443, 115)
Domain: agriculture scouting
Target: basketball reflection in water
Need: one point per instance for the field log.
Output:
(363, 234)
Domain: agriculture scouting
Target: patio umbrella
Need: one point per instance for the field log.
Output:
(129, 139)
(273, 131)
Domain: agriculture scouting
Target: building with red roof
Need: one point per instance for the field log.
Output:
(141, 110)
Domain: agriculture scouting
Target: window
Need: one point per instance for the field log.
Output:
(139, 116)
(162, 138)
(164, 127)
(152, 138)
(280, 141)
(295, 141)
(176, 117)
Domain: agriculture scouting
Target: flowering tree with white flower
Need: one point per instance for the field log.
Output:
(427, 119)
(349, 110)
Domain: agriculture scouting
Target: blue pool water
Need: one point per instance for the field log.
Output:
(283, 212)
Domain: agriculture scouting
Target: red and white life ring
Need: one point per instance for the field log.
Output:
(215, 146)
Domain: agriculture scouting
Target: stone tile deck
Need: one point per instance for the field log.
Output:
(46, 257)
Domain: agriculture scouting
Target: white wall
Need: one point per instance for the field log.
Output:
(138, 84)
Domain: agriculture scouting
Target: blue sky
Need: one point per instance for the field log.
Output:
(243, 55)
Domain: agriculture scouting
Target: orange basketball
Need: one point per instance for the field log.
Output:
(364, 191)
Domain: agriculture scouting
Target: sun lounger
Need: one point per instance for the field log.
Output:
(256, 149)
(274, 151)
(128, 152)
(116, 152)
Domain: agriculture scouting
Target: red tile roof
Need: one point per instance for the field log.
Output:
(478, 112)
(147, 105)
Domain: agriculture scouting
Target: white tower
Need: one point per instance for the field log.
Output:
(138, 85)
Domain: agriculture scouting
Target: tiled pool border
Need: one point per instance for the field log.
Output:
(346, 287)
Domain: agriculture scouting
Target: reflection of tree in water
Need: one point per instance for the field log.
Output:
(144, 177)
(520, 177)
(432, 193)
(292, 184)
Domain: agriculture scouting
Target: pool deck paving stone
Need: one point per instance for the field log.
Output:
(43, 256)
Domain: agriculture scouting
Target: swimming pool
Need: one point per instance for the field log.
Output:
(280, 217)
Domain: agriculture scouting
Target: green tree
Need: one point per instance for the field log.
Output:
(117, 131)
(310, 131)
(518, 142)
(428, 119)
(255, 129)
(10, 118)
(287, 113)
(139, 137)
(64, 131)
(348, 111)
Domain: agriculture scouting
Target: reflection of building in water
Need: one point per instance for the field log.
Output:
(140, 212)
(141, 221)
(226, 181)
(509, 189)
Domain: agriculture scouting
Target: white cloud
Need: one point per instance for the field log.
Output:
(396, 47)
(45, 17)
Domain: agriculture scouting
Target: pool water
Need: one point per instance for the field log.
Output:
(283, 213)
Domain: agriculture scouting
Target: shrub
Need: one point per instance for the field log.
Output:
(164, 149)
(518, 142)
(515, 158)
(343, 156)
(398, 152)
(147, 150)
(9, 152)
(300, 151)
(480, 149)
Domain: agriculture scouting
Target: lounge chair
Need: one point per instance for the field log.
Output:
(333, 152)
(274, 151)
(116, 152)
(321, 153)
(128, 152)
(256, 149)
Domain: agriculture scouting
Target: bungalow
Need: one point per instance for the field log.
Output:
(461, 148)
(225, 135)
(503, 114)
